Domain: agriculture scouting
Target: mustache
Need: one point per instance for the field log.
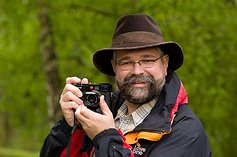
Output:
(138, 78)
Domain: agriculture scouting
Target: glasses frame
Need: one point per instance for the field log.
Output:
(139, 62)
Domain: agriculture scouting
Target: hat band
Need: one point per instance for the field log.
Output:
(136, 39)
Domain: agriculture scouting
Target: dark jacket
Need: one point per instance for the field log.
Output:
(170, 130)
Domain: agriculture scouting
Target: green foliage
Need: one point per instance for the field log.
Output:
(205, 29)
(5, 152)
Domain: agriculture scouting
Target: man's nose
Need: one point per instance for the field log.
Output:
(137, 69)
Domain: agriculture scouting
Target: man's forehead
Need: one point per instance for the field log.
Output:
(141, 52)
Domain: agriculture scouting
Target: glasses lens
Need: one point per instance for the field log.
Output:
(125, 65)
(146, 63)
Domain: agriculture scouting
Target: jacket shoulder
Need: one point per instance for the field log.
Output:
(188, 126)
(186, 139)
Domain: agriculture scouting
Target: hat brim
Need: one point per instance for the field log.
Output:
(102, 58)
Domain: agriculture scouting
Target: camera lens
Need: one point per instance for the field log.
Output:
(92, 98)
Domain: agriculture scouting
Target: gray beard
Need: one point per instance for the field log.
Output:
(141, 95)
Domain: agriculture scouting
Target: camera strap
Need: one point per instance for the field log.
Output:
(70, 140)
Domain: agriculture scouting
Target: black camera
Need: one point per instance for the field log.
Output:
(92, 92)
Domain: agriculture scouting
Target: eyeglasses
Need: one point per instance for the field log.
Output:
(145, 63)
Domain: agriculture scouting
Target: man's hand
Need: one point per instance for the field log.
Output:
(93, 123)
(70, 98)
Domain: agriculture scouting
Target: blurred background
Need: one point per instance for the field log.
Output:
(42, 42)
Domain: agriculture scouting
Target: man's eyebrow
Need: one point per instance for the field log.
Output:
(124, 58)
(148, 56)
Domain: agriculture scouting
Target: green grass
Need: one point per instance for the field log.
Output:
(8, 152)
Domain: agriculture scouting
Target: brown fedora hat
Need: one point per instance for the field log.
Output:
(136, 31)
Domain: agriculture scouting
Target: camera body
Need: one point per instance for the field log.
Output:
(92, 92)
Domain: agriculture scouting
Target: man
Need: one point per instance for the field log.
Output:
(149, 115)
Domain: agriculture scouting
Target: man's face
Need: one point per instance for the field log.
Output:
(140, 82)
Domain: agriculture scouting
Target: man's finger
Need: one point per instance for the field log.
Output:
(82, 114)
(71, 80)
(84, 81)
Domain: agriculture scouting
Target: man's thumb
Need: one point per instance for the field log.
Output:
(103, 105)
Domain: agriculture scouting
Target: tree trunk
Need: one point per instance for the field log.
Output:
(50, 66)
(6, 130)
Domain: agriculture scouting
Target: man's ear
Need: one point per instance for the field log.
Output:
(113, 64)
(165, 61)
